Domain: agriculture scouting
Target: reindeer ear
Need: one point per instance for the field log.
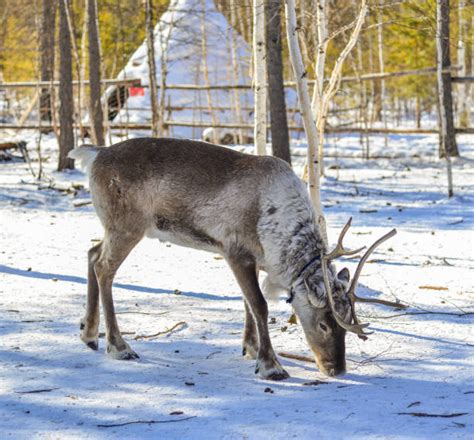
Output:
(316, 294)
(344, 276)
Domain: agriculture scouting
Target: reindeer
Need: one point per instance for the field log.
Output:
(252, 210)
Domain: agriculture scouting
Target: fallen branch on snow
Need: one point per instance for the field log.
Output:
(418, 313)
(164, 332)
(421, 414)
(145, 422)
(44, 390)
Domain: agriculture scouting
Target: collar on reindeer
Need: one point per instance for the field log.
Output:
(291, 295)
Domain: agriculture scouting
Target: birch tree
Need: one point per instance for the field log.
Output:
(95, 107)
(445, 138)
(322, 96)
(463, 90)
(260, 114)
(150, 44)
(321, 26)
(309, 124)
(383, 103)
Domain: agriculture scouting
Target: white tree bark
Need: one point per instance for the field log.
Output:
(311, 131)
(321, 25)
(463, 88)
(334, 80)
(150, 42)
(235, 71)
(205, 71)
(442, 111)
(382, 69)
(260, 115)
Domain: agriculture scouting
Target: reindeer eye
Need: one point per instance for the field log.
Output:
(323, 327)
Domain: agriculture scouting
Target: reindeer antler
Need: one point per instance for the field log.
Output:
(355, 278)
(338, 251)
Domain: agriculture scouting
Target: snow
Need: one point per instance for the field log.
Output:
(411, 364)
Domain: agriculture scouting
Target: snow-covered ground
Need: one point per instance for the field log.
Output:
(193, 382)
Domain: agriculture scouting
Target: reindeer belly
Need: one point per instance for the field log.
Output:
(182, 233)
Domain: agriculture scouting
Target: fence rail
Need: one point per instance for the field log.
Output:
(133, 126)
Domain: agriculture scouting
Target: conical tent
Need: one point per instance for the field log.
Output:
(186, 31)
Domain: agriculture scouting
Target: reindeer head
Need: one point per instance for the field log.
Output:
(326, 310)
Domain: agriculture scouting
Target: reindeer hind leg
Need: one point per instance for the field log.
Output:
(89, 325)
(115, 248)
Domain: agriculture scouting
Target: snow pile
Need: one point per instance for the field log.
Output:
(179, 40)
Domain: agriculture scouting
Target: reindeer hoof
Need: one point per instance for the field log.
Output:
(273, 372)
(92, 341)
(126, 354)
(94, 345)
(278, 376)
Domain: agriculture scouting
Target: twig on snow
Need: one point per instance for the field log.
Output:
(44, 390)
(421, 414)
(164, 332)
(145, 422)
(426, 312)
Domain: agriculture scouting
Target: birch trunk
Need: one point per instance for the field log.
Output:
(150, 43)
(260, 115)
(205, 70)
(235, 70)
(335, 78)
(463, 88)
(95, 107)
(164, 43)
(382, 69)
(307, 116)
(321, 24)
(75, 52)
(441, 7)
(443, 63)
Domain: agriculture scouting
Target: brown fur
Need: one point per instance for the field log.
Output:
(192, 193)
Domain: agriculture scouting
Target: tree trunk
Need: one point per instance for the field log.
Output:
(444, 105)
(96, 115)
(312, 134)
(47, 56)
(66, 106)
(463, 88)
(447, 134)
(276, 90)
(321, 24)
(383, 103)
(150, 43)
(260, 116)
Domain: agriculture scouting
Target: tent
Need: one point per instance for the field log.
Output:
(187, 30)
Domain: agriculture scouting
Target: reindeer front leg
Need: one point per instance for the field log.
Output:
(268, 366)
(250, 337)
